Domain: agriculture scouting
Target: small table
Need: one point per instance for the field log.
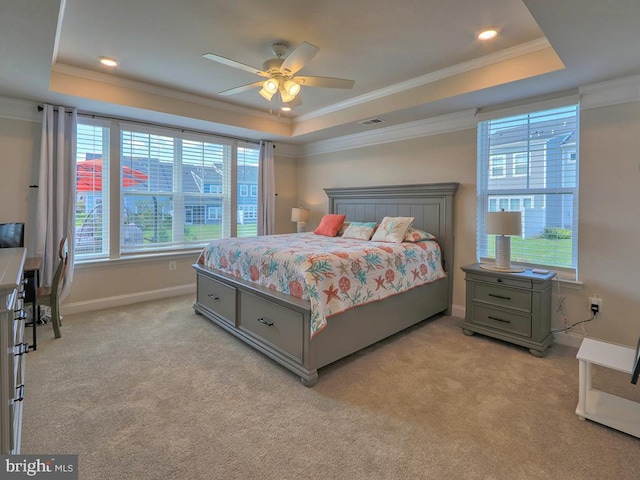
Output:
(601, 407)
(31, 272)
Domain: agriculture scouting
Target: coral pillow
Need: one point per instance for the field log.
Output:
(330, 225)
(392, 229)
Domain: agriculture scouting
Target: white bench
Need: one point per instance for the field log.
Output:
(601, 407)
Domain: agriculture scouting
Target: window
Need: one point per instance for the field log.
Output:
(542, 147)
(520, 164)
(497, 166)
(173, 191)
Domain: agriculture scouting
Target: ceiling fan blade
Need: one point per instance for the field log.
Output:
(241, 89)
(326, 82)
(298, 58)
(234, 64)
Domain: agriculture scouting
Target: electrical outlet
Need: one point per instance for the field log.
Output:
(595, 304)
(172, 265)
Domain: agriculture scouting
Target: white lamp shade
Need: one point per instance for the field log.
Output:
(503, 223)
(300, 214)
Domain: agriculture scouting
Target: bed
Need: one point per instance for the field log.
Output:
(280, 325)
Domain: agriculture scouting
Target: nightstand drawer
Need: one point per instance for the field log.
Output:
(507, 281)
(501, 320)
(504, 297)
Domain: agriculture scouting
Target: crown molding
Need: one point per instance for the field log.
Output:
(19, 109)
(611, 92)
(419, 128)
(491, 59)
(162, 91)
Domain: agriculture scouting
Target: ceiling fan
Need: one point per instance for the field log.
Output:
(280, 73)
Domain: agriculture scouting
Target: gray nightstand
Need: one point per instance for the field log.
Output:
(515, 307)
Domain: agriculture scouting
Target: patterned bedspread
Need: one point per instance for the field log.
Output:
(332, 273)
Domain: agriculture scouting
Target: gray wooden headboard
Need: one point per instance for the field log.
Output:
(431, 204)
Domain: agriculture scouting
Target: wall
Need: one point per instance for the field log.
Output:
(609, 230)
(19, 144)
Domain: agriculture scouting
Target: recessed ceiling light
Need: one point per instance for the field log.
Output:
(108, 61)
(488, 34)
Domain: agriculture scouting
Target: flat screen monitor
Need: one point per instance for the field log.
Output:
(11, 235)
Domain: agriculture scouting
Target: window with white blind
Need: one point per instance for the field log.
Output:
(172, 190)
(529, 163)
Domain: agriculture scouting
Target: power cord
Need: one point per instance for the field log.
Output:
(569, 327)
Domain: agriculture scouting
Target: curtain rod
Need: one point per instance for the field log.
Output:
(183, 130)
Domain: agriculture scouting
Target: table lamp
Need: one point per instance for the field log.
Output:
(301, 216)
(502, 224)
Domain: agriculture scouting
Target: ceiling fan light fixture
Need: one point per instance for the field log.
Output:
(292, 87)
(265, 93)
(286, 96)
(271, 85)
(285, 108)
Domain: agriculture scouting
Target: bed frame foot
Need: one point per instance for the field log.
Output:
(467, 332)
(311, 380)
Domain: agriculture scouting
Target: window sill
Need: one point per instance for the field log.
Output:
(141, 258)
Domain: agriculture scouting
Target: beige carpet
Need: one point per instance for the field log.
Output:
(153, 391)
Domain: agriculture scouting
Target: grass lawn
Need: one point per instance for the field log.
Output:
(548, 251)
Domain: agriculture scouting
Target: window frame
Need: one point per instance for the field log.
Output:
(540, 194)
(113, 196)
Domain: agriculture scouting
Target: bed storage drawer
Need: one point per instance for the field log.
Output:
(218, 297)
(277, 325)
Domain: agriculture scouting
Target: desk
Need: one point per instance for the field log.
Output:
(31, 271)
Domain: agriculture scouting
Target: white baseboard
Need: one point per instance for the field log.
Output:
(121, 300)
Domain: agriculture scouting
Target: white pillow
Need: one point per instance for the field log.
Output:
(392, 229)
(359, 230)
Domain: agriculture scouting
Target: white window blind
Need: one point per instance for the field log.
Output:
(529, 163)
(92, 189)
(172, 190)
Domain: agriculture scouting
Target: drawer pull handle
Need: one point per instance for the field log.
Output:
(499, 319)
(499, 296)
(20, 398)
(265, 322)
(213, 296)
(22, 349)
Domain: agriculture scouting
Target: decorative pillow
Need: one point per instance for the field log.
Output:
(417, 235)
(330, 225)
(359, 230)
(392, 229)
(344, 226)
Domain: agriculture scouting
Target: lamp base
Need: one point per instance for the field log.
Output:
(503, 256)
(301, 227)
(495, 268)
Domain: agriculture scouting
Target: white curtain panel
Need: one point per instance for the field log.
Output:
(55, 205)
(266, 190)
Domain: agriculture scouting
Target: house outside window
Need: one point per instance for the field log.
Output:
(498, 166)
(174, 189)
(541, 183)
